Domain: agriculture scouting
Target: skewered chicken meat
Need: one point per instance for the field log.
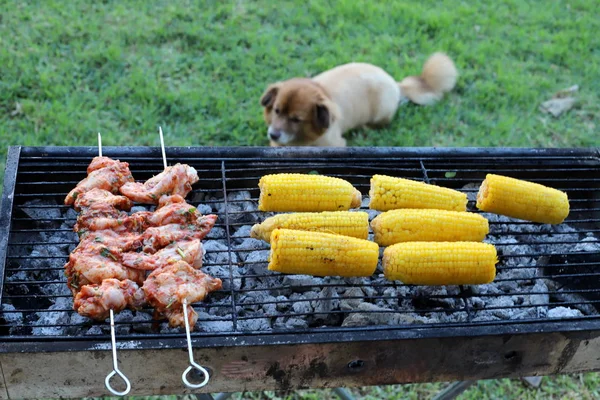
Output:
(119, 222)
(177, 179)
(189, 251)
(173, 210)
(92, 262)
(107, 175)
(156, 238)
(167, 287)
(100, 196)
(96, 301)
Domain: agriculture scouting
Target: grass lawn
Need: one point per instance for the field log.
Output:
(70, 69)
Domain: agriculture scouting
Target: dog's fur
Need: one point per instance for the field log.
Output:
(318, 111)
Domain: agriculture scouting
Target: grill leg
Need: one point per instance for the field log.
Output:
(204, 396)
(453, 390)
(218, 396)
(343, 394)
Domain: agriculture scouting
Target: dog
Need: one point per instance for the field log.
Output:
(318, 111)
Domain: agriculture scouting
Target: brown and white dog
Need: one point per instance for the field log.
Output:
(318, 111)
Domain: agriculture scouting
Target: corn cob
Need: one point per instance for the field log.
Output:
(413, 225)
(440, 263)
(388, 193)
(348, 223)
(321, 254)
(303, 192)
(521, 199)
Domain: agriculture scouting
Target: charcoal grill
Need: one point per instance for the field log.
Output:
(267, 331)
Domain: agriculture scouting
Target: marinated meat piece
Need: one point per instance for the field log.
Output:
(166, 287)
(96, 301)
(119, 222)
(189, 251)
(109, 177)
(96, 196)
(156, 238)
(177, 179)
(93, 261)
(173, 210)
(99, 162)
(116, 242)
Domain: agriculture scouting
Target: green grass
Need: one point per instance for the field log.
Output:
(70, 69)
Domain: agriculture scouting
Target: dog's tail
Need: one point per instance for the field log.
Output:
(438, 77)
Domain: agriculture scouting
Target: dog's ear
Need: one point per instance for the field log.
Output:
(322, 116)
(268, 98)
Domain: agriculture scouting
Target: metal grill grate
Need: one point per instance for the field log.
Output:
(542, 268)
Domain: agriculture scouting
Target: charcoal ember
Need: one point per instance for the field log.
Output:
(477, 302)
(459, 316)
(542, 296)
(70, 214)
(301, 283)
(252, 300)
(247, 246)
(327, 301)
(222, 307)
(256, 263)
(296, 323)
(10, 315)
(141, 322)
(204, 209)
(269, 305)
(351, 298)
(487, 288)
(519, 275)
(242, 233)
(279, 323)
(371, 314)
(564, 312)
(210, 323)
(34, 211)
(96, 330)
(18, 277)
(557, 295)
(471, 190)
(123, 321)
(436, 296)
(301, 302)
(504, 306)
(240, 207)
(57, 314)
(77, 319)
(282, 304)
(254, 325)
(216, 233)
(390, 298)
(216, 263)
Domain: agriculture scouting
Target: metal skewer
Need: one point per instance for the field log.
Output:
(115, 370)
(193, 364)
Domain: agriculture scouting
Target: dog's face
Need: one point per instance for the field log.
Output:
(296, 111)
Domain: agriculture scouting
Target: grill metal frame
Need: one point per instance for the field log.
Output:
(507, 346)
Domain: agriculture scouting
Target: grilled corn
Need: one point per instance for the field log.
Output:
(348, 223)
(389, 193)
(523, 200)
(440, 263)
(412, 225)
(321, 254)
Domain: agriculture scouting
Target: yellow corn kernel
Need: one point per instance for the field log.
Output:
(413, 225)
(389, 193)
(303, 192)
(321, 254)
(440, 263)
(348, 223)
(523, 200)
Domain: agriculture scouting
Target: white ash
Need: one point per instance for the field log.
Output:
(328, 301)
(564, 312)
